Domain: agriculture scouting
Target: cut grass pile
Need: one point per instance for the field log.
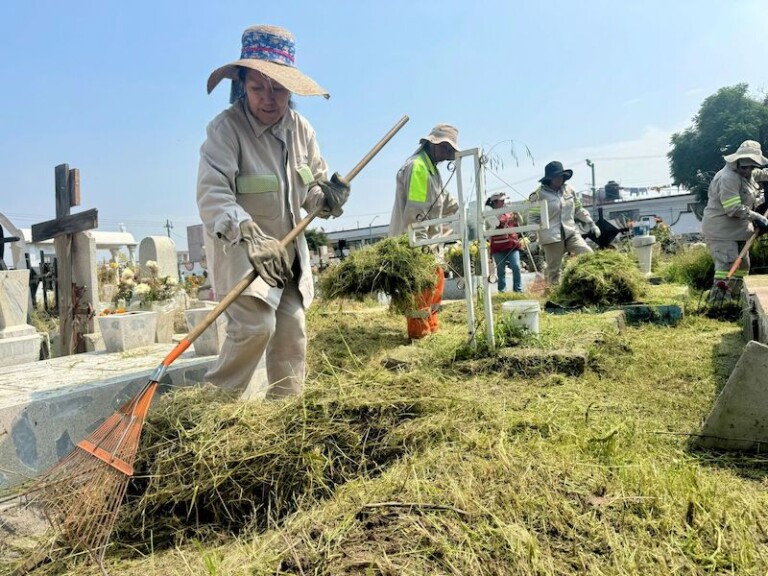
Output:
(390, 266)
(601, 279)
(207, 462)
(482, 473)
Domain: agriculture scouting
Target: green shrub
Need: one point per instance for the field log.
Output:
(454, 258)
(758, 256)
(693, 267)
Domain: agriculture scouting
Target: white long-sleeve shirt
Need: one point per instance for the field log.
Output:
(249, 171)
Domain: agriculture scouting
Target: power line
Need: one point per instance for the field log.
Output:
(645, 157)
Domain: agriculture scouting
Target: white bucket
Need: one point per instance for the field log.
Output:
(523, 313)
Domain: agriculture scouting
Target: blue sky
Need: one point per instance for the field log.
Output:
(118, 91)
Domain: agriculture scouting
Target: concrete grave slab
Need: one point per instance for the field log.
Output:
(47, 407)
(754, 299)
(739, 418)
(664, 314)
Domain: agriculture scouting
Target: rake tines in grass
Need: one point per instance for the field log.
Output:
(81, 495)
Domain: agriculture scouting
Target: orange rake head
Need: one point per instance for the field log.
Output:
(82, 494)
(539, 285)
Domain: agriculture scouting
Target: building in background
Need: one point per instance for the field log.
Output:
(677, 207)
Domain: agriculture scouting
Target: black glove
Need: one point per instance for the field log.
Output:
(761, 223)
(336, 191)
(268, 257)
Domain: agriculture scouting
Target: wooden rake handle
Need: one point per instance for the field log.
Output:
(290, 237)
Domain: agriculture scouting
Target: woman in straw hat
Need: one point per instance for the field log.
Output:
(564, 208)
(420, 196)
(730, 219)
(259, 166)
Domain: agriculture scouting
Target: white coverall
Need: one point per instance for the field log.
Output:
(249, 171)
(727, 221)
(563, 235)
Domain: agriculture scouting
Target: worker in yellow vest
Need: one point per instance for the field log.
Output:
(420, 196)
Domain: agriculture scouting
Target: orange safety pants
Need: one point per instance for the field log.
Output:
(423, 322)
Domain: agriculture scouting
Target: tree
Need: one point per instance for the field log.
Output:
(315, 239)
(724, 121)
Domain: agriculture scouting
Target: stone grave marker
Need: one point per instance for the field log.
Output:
(162, 250)
(13, 238)
(19, 342)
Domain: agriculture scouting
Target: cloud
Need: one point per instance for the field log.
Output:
(632, 102)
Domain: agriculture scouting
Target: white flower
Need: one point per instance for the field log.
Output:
(141, 289)
(171, 281)
(126, 275)
(152, 266)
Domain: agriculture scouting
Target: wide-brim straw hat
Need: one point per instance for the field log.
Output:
(555, 169)
(748, 149)
(270, 50)
(443, 133)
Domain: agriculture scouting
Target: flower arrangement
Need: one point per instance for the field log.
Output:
(107, 273)
(125, 287)
(192, 283)
(133, 289)
(156, 288)
(454, 258)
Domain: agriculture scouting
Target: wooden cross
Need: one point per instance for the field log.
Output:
(62, 229)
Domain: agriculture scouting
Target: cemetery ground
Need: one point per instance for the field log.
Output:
(423, 458)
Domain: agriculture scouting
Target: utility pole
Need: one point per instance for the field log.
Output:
(370, 235)
(594, 190)
(168, 226)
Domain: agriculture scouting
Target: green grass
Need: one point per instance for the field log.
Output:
(548, 475)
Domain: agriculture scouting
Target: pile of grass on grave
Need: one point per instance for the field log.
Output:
(390, 266)
(209, 465)
(601, 279)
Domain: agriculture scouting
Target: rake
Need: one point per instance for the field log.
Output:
(81, 495)
(724, 286)
(539, 284)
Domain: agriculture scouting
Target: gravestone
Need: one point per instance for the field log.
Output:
(19, 342)
(162, 250)
(18, 248)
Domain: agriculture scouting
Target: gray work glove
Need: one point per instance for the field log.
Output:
(595, 230)
(268, 257)
(451, 206)
(336, 191)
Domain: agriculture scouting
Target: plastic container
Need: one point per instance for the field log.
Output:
(523, 313)
(642, 229)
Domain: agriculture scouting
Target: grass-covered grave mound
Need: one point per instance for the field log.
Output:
(390, 266)
(208, 463)
(600, 279)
